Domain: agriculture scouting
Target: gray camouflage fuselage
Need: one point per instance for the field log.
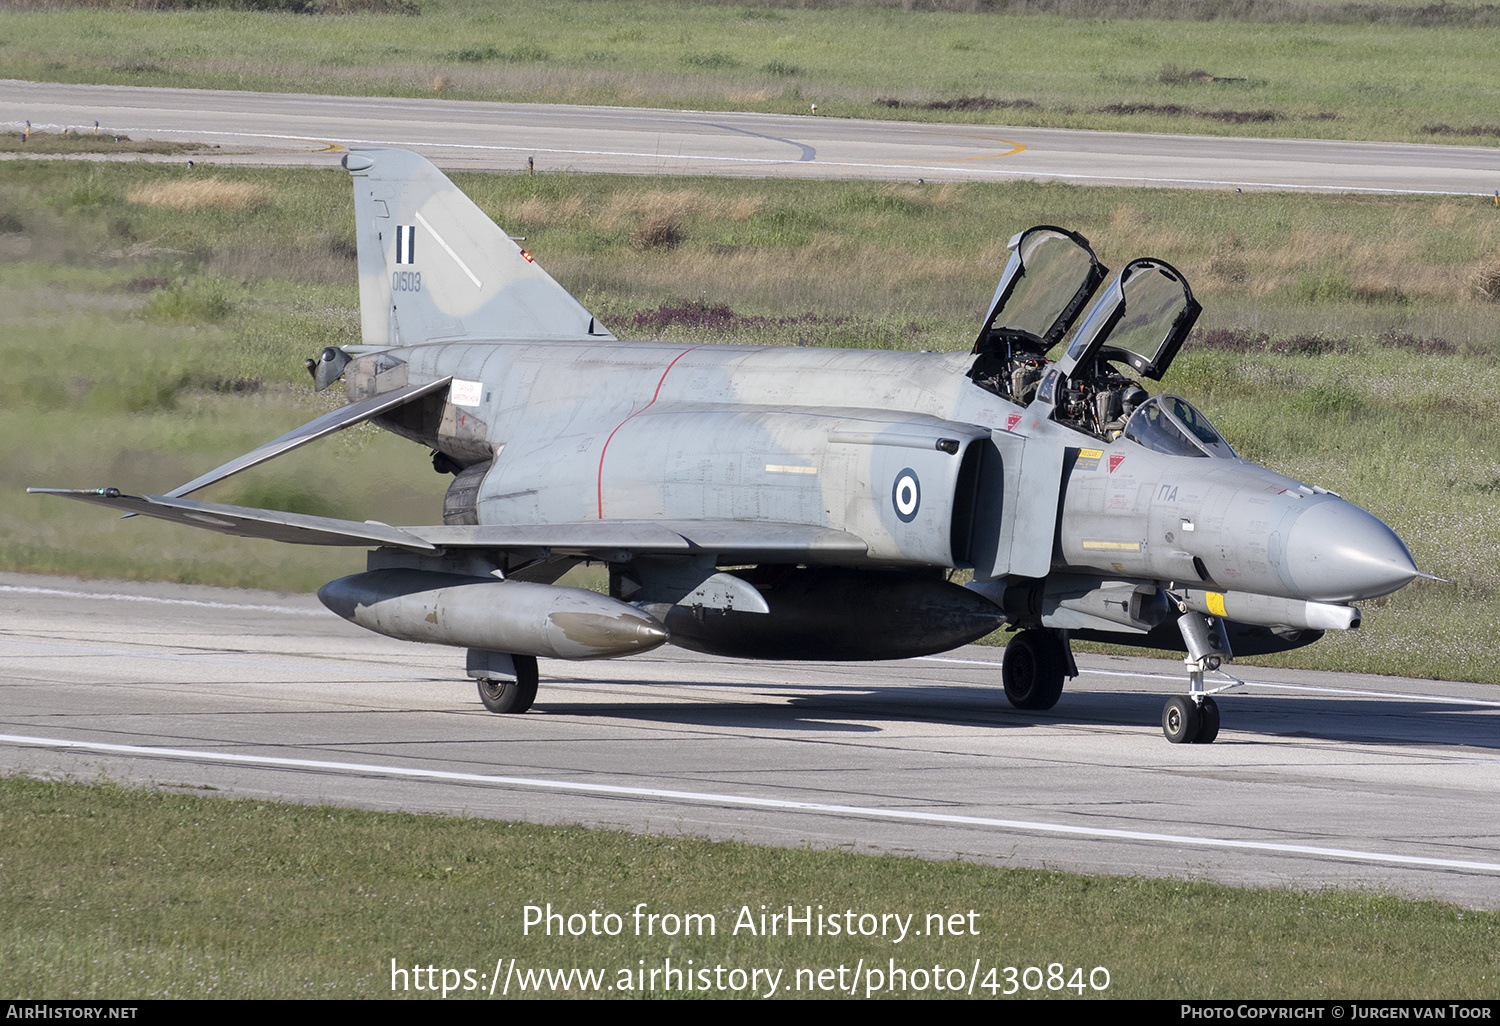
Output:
(643, 430)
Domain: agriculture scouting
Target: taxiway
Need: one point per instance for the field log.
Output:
(288, 128)
(1318, 779)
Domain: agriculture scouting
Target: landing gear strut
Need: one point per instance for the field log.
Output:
(1035, 663)
(1194, 718)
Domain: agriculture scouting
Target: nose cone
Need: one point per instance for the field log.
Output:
(1337, 552)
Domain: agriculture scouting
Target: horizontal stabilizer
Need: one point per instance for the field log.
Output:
(343, 417)
(245, 522)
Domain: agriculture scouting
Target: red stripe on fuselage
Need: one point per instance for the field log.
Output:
(627, 420)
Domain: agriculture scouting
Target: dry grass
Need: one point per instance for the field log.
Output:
(771, 279)
(1320, 261)
(626, 208)
(659, 229)
(201, 194)
(652, 219)
(742, 208)
(1486, 280)
(753, 95)
(1446, 214)
(542, 211)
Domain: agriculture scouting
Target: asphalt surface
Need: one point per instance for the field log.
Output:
(1318, 779)
(282, 128)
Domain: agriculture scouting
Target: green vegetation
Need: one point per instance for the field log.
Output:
(85, 141)
(111, 892)
(1381, 70)
(152, 333)
(158, 318)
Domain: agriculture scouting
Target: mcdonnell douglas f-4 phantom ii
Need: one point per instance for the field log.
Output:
(801, 503)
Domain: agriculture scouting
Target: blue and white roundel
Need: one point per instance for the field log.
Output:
(906, 495)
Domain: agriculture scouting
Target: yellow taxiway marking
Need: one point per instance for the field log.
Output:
(1015, 148)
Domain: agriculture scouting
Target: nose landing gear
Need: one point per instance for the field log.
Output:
(1194, 718)
(1187, 719)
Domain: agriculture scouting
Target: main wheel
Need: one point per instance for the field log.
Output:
(1208, 722)
(1033, 670)
(1180, 719)
(511, 696)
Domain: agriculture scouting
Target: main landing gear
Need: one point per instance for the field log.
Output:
(507, 683)
(1036, 661)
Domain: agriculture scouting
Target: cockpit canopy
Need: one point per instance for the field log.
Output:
(1170, 424)
(1050, 275)
(1140, 321)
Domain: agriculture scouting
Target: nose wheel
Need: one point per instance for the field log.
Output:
(1186, 720)
(1193, 719)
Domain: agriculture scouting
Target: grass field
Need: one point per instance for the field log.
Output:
(1258, 67)
(109, 892)
(158, 318)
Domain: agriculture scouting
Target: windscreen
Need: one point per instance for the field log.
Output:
(1170, 424)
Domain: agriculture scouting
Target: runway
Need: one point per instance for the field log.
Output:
(283, 128)
(1318, 779)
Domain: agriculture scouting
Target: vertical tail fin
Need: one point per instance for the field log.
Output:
(433, 267)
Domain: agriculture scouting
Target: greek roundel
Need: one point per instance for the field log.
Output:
(906, 495)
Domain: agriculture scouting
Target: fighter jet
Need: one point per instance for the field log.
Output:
(802, 503)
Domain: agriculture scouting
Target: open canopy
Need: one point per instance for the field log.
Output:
(1051, 274)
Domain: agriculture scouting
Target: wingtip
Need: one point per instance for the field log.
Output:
(108, 493)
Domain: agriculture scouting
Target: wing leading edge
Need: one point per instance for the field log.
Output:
(329, 423)
(591, 538)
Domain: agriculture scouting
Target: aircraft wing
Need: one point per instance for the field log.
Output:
(343, 417)
(753, 541)
(246, 522)
(613, 539)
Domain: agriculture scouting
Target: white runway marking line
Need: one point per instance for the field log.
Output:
(1441, 699)
(746, 801)
(114, 596)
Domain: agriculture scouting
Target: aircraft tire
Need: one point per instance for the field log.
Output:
(1180, 720)
(511, 696)
(1208, 722)
(1033, 670)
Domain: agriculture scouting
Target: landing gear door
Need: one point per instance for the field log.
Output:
(1051, 274)
(1032, 474)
